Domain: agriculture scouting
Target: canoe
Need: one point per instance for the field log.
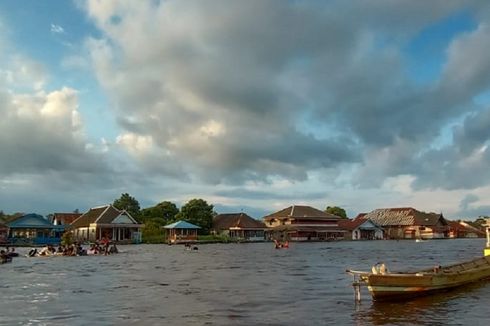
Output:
(385, 285)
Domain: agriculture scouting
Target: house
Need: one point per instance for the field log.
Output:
(460, 229)
(3, 233)
(409, 223)
(361, 228)
(303, 223)
(64, 218)
(106, 222)
(239, 226)
(33, 229)
(181, 231)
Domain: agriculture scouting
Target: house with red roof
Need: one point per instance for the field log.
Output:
(409, 223)
(3, 233)
(303, 223)
(239, 226)
(361, 228)
(64, 218)
(460, 229)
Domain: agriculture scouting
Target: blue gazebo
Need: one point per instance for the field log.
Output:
(181, 231)
(33, 229)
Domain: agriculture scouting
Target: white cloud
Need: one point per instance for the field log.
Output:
(135, 144)
(57, 29)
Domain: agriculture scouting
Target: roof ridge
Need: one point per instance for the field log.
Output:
(102, 214)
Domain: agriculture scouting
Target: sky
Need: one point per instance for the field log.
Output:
(251, 105)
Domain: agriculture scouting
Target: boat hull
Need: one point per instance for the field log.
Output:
(407, 285)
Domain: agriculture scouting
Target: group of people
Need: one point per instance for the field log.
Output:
(280, 245)
(76, 249)
(7, 255)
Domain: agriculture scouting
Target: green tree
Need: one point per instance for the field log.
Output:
(67, 238)
(128, 203)
(198, 212)
(152, 232)
(162, 213)
(335, 210)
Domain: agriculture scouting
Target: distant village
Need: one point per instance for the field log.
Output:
(196, 221)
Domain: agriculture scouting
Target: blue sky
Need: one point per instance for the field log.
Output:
(252, 105)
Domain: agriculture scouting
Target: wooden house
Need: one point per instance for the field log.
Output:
(239, 226)
(3, 233)
(106, 222)
(303, 223)
(64, 218)
(180, 232)
(361, 228)
(460, 229)
(33, 229)
(409, 223)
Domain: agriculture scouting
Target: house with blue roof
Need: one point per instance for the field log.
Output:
(33, 229)
(181, 231)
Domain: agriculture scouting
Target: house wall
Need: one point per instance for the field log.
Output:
(359, 233)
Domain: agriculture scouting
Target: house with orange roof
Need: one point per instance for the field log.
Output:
(303, 223)
(460, 229)
(64, 218)
(3, 233)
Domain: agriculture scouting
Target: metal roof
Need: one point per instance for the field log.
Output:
(181, 225)
(33, 221)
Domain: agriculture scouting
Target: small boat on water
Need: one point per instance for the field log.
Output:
(385, 285)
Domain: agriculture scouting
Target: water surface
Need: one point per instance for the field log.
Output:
(234, 284)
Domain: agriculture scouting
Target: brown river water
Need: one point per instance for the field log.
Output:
(234, 284)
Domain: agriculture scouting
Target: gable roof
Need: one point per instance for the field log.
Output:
(300, 212)
(67, 218)
(358, 222)
(100, 215)
(465, 227)
(236, 220)
(404, 216)
(181, 225)
(34, 221)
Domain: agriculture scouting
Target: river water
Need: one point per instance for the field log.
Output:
(234, 284)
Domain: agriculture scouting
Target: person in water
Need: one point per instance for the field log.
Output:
(113, 249)
(3, 256)
(33, 252)
(12, 253)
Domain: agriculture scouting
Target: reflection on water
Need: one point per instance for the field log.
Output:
(438, 309)
(233, 284)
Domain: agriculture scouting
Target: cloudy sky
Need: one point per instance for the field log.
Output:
(252, 105)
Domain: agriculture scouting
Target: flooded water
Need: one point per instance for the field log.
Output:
(234, 284)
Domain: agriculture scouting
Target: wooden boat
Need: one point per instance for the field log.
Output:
(385, 285)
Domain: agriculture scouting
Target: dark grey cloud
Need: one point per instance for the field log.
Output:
(228, 91)
(260, 195)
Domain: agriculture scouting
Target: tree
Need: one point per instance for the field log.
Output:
(152, 233)
(128, 203)
(335, 210)
(162, 213)
(198, 212)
